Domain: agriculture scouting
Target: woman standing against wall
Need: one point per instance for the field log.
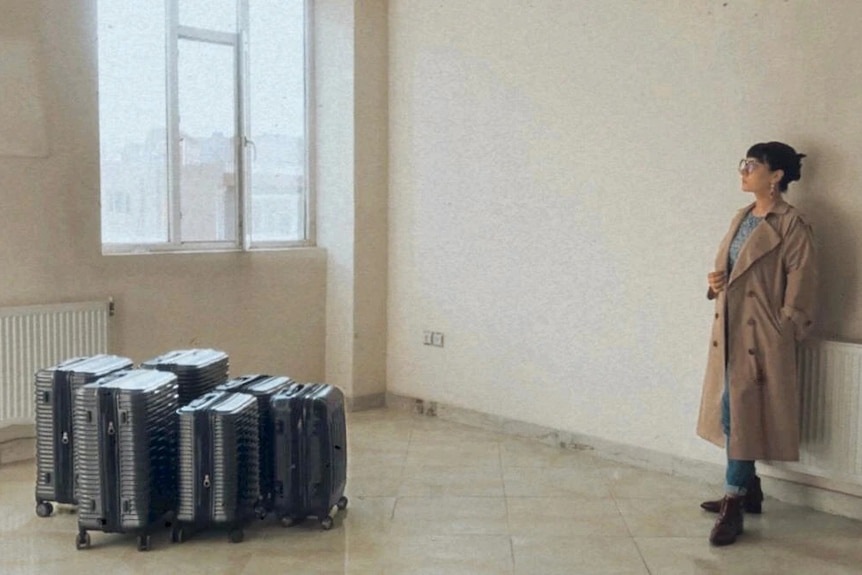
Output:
(764, 287)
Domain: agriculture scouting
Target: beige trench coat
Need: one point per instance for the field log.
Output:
(769, 302)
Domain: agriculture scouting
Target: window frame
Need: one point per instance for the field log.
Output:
(243, 145)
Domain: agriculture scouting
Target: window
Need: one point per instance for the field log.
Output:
(203, 125)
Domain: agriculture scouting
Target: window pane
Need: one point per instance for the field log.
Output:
(207, 147)
(209, 14)
(132, 122)
(278, 182)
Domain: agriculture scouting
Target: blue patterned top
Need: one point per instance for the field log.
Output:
(745, 228)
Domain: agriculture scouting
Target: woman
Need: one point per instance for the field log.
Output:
(764, 291)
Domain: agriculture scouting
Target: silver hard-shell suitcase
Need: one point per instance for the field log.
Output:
(198, 371)
(126, 430)
(263, 387)
(218, 464)
(311, 453)
(55, 439)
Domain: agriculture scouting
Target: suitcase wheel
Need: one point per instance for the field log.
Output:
(143, 542)
(342, 503)
(236, 535)
(178, 535)
(326, 523)
(82, 541)
(44, 509)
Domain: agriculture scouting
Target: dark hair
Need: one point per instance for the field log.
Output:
(779, 156)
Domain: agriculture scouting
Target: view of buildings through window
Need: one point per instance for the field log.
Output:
(202, 112)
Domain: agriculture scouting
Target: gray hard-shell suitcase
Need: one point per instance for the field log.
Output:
(218, 464)
(198, 371)
(126, 428)
(55, 439)
(310, 453)
(263, 387)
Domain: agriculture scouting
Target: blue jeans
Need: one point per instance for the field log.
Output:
(739, 471)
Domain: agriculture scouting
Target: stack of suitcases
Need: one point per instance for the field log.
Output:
(174, 442)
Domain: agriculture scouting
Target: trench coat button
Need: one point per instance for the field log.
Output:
(714, 343)
(716, 316)
(751, 294)
(808, 322)
(751, 321)
(751, 351)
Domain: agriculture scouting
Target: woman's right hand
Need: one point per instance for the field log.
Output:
(717, 280)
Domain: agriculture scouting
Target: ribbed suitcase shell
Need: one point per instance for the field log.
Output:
(55, 439)
(198, 371)
(263, 387)
(127, 447)
(311, 452)
(218, 463)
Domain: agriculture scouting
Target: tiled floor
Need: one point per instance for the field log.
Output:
(428, 496)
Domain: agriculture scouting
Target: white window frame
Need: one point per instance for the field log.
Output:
(243, 145)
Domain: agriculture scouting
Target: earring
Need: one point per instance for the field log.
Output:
(772, 189)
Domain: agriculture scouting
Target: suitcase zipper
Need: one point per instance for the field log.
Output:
(110, 468)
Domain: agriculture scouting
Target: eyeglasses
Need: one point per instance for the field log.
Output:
(748, 166)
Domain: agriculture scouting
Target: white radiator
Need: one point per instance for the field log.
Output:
(830, 380)
(35, 337)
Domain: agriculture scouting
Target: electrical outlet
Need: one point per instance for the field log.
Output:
(437, 338)
(428, 338)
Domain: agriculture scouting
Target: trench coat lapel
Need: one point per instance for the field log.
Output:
(763, 239)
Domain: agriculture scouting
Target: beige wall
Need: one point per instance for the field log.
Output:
(351, 92)
(561, 174)
(266, 310)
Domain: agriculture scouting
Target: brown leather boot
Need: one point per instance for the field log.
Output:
(752, 500)
(729, 523)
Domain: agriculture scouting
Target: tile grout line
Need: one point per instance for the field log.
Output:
(506, 504)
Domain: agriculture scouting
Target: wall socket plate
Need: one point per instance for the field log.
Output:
(434, 338)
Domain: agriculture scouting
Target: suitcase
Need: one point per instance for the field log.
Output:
(310, 453)
(126, 430)
(198, 371)
(218, 464)
(55, 440)
(263, 387)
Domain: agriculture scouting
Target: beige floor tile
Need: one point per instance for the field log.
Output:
(555, 482)
(752, 555)
(435, 480)
(14, 517)
(375, 460)
(454, 453)
(450, 516)
(559, 517)
(527, 453)
(785, 520)
(449, 554)
(665, 517)
(447, 431)
(426, 496)
(591, 555)
(373, 482)
(630, 482)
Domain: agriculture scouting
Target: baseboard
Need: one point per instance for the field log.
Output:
(17, 443)
(365, 402)
(776, 483)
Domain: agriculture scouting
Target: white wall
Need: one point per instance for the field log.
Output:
(351, 177)
(561, 174)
